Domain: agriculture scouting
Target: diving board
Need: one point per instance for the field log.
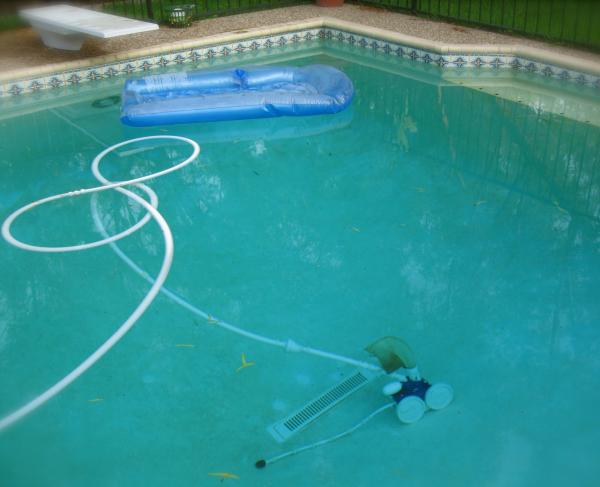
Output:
(66, 27)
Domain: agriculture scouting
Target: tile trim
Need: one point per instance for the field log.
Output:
(543, 63)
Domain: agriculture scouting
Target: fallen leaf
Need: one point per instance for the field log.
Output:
(224, 475)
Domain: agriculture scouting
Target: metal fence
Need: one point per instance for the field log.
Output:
(160, 10)
(571, 21)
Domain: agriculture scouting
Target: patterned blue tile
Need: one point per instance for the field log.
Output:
(55, 82)
(93, 75)
(195, 55)
(547, 71)
(128, 69)
(110, 72)
(15, 89)
(564, 74)
(35, 85)
(73, 78)
(335, 35)
(516, 63)
(531, 67)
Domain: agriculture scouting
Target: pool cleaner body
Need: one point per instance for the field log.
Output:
(411, 396)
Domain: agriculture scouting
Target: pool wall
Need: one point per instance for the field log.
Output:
(457, 56)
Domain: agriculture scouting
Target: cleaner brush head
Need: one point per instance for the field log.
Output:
(260, 464)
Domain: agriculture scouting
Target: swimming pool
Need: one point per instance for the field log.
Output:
(460, 220)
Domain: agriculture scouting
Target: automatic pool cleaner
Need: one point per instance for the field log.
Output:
(411, 396)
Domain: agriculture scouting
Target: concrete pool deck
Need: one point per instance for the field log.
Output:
(22, 52)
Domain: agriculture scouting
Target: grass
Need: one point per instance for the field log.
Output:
(11, 21)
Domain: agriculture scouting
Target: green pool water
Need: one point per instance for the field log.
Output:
(433, 209)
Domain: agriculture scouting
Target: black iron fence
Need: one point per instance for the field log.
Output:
(571, 21)
(164, 10)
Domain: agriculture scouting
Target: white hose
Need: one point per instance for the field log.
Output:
(156, 283)
(289, 345)
(263, 463)
(156, 286)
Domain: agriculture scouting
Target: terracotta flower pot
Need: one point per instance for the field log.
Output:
(329, 3)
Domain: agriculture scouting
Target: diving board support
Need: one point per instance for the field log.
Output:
(68, 41)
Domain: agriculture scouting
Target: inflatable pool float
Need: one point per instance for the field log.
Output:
(235, 94)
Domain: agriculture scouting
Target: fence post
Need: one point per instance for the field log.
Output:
(413, 6)
(150, 9)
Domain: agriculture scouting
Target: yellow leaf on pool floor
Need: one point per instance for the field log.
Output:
(244, 363)
(224, 475)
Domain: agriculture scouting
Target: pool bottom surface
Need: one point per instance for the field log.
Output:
(465, 223)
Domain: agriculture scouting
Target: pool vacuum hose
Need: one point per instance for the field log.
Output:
(156, 282)
(156, 286)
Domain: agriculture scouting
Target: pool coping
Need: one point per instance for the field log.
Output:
(544, 62)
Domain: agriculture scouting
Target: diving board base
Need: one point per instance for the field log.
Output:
(67, 42)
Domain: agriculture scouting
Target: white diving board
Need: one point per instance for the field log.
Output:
(66, 27)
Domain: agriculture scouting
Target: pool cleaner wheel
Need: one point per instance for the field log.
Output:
(438, 396)
(410, 409)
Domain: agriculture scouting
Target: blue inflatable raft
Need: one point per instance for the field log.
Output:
(233, 94)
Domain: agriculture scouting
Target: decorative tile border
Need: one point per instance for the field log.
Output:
(463, 60)
(417, 50)
(147, 64)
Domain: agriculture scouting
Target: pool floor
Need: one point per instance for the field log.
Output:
(463, 222)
